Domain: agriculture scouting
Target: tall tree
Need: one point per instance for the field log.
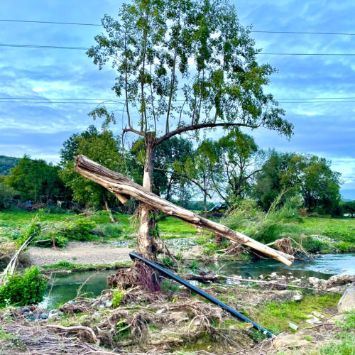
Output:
(233, 162)
(182, 66)
(288, 174)
(36, 180)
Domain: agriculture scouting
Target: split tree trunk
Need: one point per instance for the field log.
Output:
(146, 243)
(124, 188)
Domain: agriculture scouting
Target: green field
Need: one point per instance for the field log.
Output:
(317, 234)
(13, 223)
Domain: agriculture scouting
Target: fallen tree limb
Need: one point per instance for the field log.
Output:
(11, 266)
(120, 186)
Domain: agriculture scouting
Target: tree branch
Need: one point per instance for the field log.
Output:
(195, 127)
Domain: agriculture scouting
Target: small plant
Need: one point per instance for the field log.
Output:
(117, 297)
(169, 286)
(168, 262)
(28, 288)
(122, 330)
(194, 265)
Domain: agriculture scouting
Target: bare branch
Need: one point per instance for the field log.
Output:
(195, 127)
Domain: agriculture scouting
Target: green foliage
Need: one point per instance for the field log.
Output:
(169, 286)
(36, 180)
(345, 346)
(32, 230)
(122, 330)
(58, 234)
(117, 297)
(290, 174)
(23, 289)
(168, 177)
(166, 50)
(194, 265)
(80, 229)
(345, 339)
(101, 147)
(6, 164)
(168, 262)
(7, 195)
(276, 316)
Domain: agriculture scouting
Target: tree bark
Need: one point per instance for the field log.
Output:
(121, 185)
(146, 244)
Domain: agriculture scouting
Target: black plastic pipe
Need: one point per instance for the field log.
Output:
(200, 292)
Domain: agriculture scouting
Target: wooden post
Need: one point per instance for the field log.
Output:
(120, 185)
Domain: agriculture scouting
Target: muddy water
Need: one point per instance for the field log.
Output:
(64, 288)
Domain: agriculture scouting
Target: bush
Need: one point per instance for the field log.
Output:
(51, 240)
(117, 297)
(6, 196)
(25, 289)
(78, 230)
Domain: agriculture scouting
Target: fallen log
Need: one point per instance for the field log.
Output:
(125, 188)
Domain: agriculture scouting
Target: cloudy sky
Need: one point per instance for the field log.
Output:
(317, 91)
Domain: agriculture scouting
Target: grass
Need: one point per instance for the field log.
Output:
(276, 316)
(69, 266)
(345, 339)
(316, 234)
(13, 223)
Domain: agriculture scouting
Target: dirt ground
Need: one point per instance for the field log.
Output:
(79, 253)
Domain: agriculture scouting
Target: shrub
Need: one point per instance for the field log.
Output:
(117, 297)
(6, 196)
(50, 240)
(78, 230)
(20, 290)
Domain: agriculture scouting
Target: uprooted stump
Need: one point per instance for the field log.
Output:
(125, 188)
(140, 274)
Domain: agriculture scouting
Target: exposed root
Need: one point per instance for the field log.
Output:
(140, 274)
(85, 332)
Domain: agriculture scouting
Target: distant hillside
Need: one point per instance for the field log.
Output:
(6, 163)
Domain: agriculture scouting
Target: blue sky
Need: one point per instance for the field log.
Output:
(323, 128)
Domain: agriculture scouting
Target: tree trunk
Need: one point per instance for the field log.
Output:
(147, 228)
(124, 187)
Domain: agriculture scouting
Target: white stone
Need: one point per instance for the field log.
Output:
(347, 301)
(293, 326)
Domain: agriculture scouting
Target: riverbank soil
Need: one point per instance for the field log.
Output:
(79, 253)
(174, 320)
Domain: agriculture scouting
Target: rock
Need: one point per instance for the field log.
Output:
(297, 296)
(317, 314)
(339, 280)
(261, 277)
(108, 304)
(293, 326)
(317, 283)
(347, 301)
(273, 275)
(314, 321)
(43, 316)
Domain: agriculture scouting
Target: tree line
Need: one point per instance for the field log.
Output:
(225, 170)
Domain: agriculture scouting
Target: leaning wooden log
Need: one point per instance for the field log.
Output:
(120, 186)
